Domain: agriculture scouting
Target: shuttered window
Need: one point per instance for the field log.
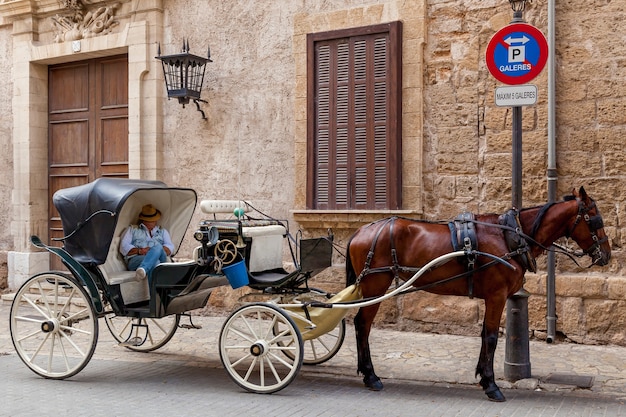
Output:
(354, 119)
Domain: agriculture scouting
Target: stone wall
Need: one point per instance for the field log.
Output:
(6, 157)
(456, 142)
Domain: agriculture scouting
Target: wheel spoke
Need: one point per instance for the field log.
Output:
(44, 298)
(247, 336)
(250, 369)
(36, 307)
(41, 345)
(81, 314)
(281, 360)
(71, 342)
(64, 353)
(67, 305)
(29, 320)
(273, 369)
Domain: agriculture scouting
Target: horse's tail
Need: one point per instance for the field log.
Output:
(350, 272)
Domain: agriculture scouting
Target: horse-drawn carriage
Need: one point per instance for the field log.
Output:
(54, 316)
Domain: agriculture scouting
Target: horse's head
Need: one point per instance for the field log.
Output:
(588, 229)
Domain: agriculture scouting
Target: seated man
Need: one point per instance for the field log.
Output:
(145, 245)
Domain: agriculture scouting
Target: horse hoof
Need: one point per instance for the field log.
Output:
(374, 385)
(495, 396)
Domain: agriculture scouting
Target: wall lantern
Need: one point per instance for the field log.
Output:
(184, 75)
(518, 7)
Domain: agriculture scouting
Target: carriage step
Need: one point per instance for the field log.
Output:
(132, 342)
(189, 326)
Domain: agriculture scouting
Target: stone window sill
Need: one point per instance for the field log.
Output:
(344, 219)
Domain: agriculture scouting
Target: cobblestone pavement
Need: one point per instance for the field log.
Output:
(444, 362)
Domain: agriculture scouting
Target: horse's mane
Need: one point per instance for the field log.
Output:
(542, 212)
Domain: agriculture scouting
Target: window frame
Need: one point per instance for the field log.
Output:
(393, 113)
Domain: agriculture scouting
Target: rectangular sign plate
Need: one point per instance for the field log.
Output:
(516, 95)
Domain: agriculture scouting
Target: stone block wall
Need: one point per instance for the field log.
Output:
(590, 308)
(456, 141)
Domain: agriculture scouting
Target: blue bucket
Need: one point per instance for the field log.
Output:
(237, 274)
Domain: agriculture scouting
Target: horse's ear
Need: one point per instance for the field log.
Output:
(582, 193)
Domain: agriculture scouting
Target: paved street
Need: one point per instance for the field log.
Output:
(424, 374)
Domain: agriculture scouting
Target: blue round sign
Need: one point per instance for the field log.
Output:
(517, 53)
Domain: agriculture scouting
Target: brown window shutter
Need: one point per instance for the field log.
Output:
(354, 149)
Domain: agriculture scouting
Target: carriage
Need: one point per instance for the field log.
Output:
(54, 316)
(262, 344)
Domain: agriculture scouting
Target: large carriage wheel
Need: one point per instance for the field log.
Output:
(252, 345)
(324, 347)
(53, 325)
(142, 334)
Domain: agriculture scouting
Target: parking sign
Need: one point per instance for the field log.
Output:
(517, 53)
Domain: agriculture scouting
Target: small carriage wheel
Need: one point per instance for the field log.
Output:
(226, 251)
(53, 325)
(142, 334)
(324, 347)
(252, 345)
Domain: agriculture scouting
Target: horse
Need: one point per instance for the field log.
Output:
(395, 247)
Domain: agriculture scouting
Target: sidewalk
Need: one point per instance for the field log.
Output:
(424, 357)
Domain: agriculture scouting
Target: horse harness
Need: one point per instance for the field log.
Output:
(515, 240)
(396, 268)
(463, 237)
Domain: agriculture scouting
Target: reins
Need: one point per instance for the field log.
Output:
(553, 248)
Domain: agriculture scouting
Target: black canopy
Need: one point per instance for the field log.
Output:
(93, 214)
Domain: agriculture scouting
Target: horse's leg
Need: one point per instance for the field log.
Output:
(489, 336)
(362, 325)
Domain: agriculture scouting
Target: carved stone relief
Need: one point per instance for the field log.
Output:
(80, 22)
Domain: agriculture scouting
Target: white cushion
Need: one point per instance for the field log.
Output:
(221, 206)
(266, 252)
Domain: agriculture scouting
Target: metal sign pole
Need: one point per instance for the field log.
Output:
(517, 349)
(515, 55)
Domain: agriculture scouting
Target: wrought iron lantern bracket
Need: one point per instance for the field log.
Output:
(184, 75)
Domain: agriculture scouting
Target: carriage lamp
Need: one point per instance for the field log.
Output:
(207, 234)
(184, 75)
(518, 7)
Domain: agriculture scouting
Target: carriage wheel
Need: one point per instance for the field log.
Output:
(324, 347)
(252, 342)
(53, 325)
(142, 334)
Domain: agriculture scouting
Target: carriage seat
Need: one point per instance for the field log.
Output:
(266, 252)
(115, 271)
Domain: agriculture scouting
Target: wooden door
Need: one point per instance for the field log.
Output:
(87, 126)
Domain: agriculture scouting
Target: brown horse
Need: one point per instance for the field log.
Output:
(397, 247)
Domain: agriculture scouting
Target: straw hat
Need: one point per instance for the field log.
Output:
(149, 213)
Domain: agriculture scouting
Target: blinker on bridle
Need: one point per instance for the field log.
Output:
(594, 223)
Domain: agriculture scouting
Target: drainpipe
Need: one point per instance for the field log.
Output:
(552, 174)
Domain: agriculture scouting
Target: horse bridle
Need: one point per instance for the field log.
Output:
(594, 223)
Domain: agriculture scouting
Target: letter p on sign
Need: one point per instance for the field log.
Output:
(517, 53)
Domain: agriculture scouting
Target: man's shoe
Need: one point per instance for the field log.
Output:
(140, 274)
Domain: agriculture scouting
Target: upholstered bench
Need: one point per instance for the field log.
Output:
(115, 272)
